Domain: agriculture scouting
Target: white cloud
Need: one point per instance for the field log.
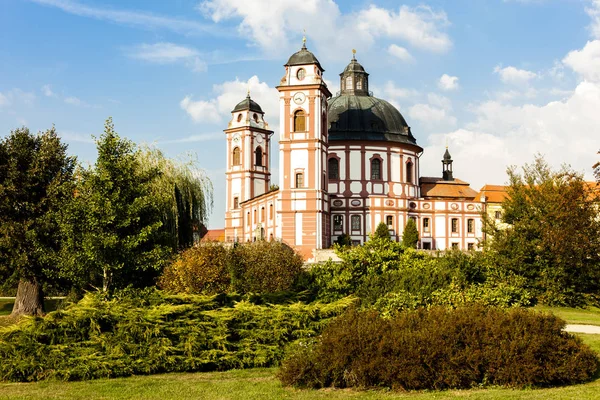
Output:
(392, 92)
(594, 12)
(586, 62)
(169, 53)
(75, 101)
(135, 18)
(435, 114)
(269, 24)
(400, 53)
(448, 82)
(514, 75)
(4, 101)
(228, 94)
(47, 91)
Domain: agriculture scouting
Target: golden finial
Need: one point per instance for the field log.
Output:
(354, 54)
(304, 39)
(446, 143)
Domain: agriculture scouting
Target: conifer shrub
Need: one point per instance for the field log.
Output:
(147, 332)
(440, 348)
(199, 269)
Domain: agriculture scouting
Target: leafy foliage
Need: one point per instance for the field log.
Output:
(410, 236)
(344, 240)
(36, 179)
(199, 269)
(382, 231)
(441, 348)
(114, 225)
(182, 192)
(148, 332)
(256, 267)
(553, 234)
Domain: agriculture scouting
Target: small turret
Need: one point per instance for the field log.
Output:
(447, 166)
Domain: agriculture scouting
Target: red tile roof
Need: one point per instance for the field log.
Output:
(437, 187)
(215, 235)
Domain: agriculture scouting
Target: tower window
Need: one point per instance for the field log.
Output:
(349, 83)
(409, 172)
(255, 116)
(376, 169)
(338, 223)
(236, 156)
(425, 224)
(355, 222)
(358, 84)
(334, 168)
(299, 180)
(236, 202)
(470, 225)
(239, 118)
(301, 74)
(299, 121)
(258, 153)
(454, 225)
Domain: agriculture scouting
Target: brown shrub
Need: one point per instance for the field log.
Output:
(264, 266)
(198, 270)
(441, 348)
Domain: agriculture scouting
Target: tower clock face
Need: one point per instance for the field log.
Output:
(299, 98)
(236, 139)
(259, 139)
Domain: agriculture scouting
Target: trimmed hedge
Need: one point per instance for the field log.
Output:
(148, 332)
(441, 348)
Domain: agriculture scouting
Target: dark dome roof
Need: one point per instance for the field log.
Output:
(248, 104)
(447, 156)
(366, 118)
(303, 57)
(354, 66)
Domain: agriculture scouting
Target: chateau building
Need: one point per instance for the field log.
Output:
(346, 163)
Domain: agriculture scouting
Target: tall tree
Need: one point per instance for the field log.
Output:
(183, 193)
(410, 236)
(553, 233)
(382, 231)
(114, 225)
(36, 179)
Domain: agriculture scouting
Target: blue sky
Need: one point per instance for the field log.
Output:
(497, 80)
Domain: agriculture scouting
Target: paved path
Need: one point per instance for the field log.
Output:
(575, 328)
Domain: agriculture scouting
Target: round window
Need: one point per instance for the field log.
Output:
(301, 74)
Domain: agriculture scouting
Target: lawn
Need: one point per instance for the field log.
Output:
(254, 384)
(588, 316)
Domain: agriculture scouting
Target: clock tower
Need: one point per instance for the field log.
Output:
(248, 157)
(303, 209)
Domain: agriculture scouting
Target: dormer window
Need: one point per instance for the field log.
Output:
(301, 74)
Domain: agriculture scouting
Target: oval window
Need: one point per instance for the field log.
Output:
(301, 74)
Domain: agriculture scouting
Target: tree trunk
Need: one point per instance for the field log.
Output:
(29, 300)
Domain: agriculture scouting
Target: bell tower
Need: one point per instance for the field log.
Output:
(447, 166)
(248, 172)
(303, 203)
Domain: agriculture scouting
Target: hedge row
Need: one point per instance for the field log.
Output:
(150, 332)
(441, 348)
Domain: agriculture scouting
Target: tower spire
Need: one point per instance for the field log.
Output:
(304, 40)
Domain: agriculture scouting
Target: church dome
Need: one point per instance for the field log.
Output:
(303, 57)
(354, 117)
(247, 104)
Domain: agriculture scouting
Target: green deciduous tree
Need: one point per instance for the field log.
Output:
(553, 233)
(182, 192)
(410, 236)
(36, 179)
(115, 224)
(382, 231)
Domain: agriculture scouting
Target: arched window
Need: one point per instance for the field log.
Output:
(349, 83)
(236, 156)
(470, 225)
(271, 211)
(299, 121)
(258, 159)
(409, 172)
(358, 84)
(334, 168)
(299, 180)
(376, 169)
(262, 214)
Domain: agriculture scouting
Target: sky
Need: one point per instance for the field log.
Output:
(498, 81)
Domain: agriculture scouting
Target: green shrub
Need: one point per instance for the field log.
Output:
(441, 348)
(148, 332)
(264, 266)
(382, 231)
(200, 269)
(410, 236)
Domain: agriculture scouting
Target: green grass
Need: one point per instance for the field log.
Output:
(587, 316)
(254, 384)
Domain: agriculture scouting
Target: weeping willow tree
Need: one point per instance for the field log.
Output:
(184, 193)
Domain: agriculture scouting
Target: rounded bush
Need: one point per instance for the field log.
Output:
(441, 348)
(198, 270)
